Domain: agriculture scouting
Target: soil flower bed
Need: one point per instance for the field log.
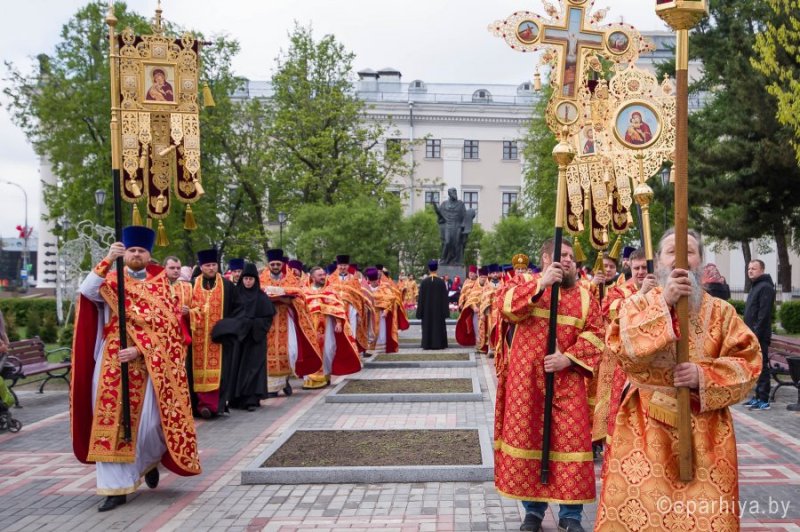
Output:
(387, 386)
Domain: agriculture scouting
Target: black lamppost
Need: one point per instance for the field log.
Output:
(282, 217)
(99, 200)
(665, 172)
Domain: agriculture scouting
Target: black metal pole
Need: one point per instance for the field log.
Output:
(549, 378)
(123, 333)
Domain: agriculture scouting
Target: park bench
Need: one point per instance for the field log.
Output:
(27, 358)
(780, 348)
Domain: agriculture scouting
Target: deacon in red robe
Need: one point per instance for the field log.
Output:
(519, 410)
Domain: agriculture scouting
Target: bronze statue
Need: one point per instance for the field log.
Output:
(455, 224)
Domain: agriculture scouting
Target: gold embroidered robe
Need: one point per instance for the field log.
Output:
(153, 326)
(519, 410)
(641, 489)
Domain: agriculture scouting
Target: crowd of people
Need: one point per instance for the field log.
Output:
(199, 342)
(202, 342)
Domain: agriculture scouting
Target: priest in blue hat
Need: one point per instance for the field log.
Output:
(433, 309)
(235, 267)
(213, 298)
(160, 411)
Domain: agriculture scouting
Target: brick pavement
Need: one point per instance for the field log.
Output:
(43, 487)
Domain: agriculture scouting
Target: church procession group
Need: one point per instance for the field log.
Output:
(215, 342)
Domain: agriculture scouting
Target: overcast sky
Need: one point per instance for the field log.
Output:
(433, 40)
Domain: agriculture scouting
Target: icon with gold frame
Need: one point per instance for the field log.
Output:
(637, 125)
(158, 83)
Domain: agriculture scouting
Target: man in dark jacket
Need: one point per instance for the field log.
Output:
(758, 316)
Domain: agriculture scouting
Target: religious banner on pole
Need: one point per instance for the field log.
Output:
(157, 80)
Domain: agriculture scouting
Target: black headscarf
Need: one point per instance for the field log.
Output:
(252, 302)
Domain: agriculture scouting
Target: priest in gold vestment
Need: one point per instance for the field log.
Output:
(642, 490)
(519, 410)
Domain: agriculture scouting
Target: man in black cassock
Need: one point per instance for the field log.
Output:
(433, 309)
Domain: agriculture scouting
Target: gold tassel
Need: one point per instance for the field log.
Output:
(189, 222)
(615, 251)
(208, 98)
(160, 200)
(598, 264)
(198, 187)
(143, 158)
(149, 223)
(136, 218)
(161, 236)
(134, 187)
(630, 218)
(580, 256)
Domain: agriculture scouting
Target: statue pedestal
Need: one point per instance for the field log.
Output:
(451, 270)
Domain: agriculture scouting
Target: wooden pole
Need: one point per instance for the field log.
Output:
(563, 155)
(682, 242)
(116, 159)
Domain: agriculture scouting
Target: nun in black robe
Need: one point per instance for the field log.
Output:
(249, 324)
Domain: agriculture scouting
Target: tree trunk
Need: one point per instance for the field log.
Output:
(784, 268)
(748, 257)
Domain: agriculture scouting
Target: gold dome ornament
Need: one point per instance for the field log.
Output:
(682, 14)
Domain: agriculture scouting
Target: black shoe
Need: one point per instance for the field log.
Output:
(251, 408)
(112, 502)
(569, 525)
(532, 523)
(205, 413)
(151, 478)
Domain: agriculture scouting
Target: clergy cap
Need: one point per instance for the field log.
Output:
(372, 274)
(494, 268)
(207, 256)
(507, 267)
(520, 260)
(483, 270)
(330, 268)
(138, 236)
(473, 269)
(236, 264)
(626, 252)
(250, 270)
(274, 255)
(433, 265)
(342, 259)
(295, 264)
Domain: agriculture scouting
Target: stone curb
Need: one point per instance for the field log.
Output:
(372, 364)
(335, 397)
(255, 474)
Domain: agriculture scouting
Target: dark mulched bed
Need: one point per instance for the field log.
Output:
(361, 386)
(421, 357)
(343, 448)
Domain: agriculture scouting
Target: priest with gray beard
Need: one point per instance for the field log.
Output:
(724, 363)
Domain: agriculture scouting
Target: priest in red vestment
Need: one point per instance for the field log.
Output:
(519, 410)
(162, 427)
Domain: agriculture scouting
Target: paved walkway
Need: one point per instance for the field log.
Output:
(42, 486)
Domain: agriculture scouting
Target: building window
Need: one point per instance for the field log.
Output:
(471, 149)
(433, 149)
(470, 199)
(509, 202)
(393, 146)
(510, 150)
(432, 197)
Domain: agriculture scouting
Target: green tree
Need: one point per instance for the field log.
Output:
(511, 235)
(740, 167)
(778, 58)
(419, 241)
(322, 150)
(472, 253)
(366, 229)
(541, 171)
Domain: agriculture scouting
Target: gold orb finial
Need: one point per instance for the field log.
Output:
(643, 194)
(111, 19)
(563, 153)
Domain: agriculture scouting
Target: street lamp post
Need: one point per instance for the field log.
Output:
(665, 184)
(99, 200)
(25, 234)
(282, 216)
